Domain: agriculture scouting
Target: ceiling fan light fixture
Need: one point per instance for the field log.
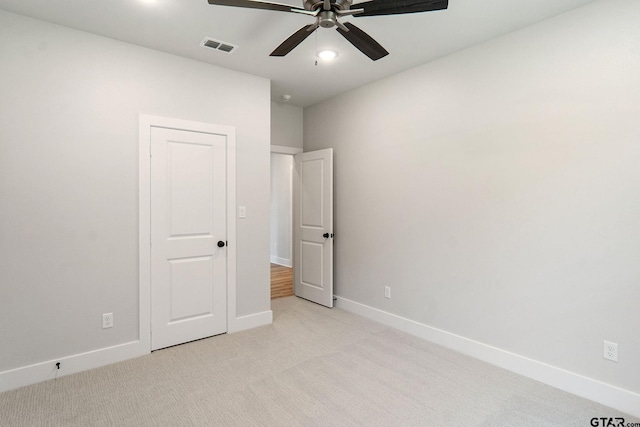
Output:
(327, 54)
(326, 14)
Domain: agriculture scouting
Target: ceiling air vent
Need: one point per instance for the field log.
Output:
(218, 45)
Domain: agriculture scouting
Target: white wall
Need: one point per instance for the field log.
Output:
(286, 125)
(497, 192)
(281, 209)
(69, 108)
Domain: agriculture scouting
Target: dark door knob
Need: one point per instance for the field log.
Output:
(325, 235)
(221, 244)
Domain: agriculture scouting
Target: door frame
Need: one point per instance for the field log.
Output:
(282, 149)
(146, 122)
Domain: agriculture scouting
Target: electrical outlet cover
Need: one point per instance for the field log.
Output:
(610, 351)
(107, 320)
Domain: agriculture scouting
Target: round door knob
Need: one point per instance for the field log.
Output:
(325, 235)
(221, 244)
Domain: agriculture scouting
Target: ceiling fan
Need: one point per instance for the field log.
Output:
(327, 13)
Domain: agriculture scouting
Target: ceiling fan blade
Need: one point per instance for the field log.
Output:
(394, 7)
(257, 4)
(294, 40)
(363, 41)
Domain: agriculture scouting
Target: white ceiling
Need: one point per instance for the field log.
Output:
(179, 26)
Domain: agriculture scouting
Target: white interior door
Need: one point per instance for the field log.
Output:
(313, 226)
(188, 230)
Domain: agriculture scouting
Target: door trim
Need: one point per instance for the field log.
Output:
(282, 149)
(146, 122)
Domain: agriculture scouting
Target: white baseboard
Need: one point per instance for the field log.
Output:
(251, 321)
(281, 261)
(38, 372)
(43, 371)
(614, 397)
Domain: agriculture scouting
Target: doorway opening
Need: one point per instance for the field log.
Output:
(281, 242)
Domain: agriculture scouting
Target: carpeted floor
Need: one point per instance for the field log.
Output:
(313, 366)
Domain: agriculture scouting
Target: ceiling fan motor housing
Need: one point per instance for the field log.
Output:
(335, 4)
(327, 19)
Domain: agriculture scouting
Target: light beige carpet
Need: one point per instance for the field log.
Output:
(313, 366)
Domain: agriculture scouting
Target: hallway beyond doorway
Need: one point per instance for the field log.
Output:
(281, 281)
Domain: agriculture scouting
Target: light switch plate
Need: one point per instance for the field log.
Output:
(242, 212)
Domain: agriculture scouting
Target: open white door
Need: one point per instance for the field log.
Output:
(313, 226)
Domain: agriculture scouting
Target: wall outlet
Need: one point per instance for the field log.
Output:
(387, 292)
(610, 351)
(107, 320)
